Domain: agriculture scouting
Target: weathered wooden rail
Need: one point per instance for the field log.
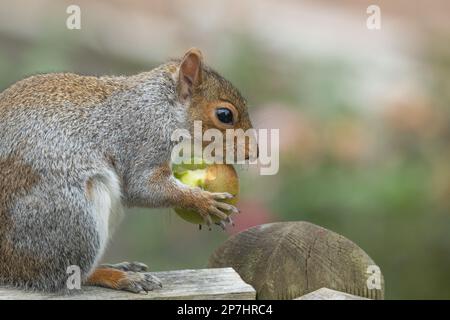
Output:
(202, 284)
(221, 283)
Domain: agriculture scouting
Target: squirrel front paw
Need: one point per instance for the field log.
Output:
(209, 204)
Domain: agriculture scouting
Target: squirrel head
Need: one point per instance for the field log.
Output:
(211, 99)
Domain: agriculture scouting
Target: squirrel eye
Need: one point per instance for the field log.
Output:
(224, 115)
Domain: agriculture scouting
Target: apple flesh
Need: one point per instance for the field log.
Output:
(212, 178)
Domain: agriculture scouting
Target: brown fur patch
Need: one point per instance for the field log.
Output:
(160, 174)
(89, 187)
(16, 179)
(54, 89)
(111, 160)
(107, 277)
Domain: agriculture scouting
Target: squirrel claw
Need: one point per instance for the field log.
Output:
(229, 221)
(221, 224)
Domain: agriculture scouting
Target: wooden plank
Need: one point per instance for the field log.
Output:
(219, 283)
(328, 294)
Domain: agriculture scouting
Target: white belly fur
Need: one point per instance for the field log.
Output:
(107, 206)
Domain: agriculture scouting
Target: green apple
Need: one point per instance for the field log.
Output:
(212, 178)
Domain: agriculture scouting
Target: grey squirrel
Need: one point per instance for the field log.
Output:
(75, 150)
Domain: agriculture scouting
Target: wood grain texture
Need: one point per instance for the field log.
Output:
(328, 294)
(285, 260)
(223, 283)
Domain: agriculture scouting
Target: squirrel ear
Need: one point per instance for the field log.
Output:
(190, 72)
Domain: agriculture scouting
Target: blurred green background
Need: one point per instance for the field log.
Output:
(363, 115)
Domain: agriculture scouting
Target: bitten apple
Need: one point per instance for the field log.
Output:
(212, 178)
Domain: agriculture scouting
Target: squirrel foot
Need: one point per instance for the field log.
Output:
(136, 282)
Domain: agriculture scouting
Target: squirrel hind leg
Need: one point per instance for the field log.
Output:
(43, 239)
